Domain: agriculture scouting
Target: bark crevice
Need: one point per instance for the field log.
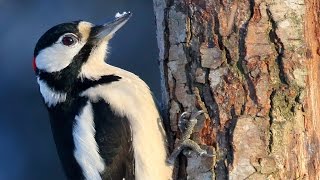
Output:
(243, 53)
(274, 38)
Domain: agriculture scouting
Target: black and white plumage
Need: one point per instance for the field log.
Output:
(104, 119)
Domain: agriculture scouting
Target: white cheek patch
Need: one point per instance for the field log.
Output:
(57, 56)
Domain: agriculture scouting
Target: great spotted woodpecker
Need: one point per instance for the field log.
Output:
(104, 119)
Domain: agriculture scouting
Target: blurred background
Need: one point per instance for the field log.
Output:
(27, 150)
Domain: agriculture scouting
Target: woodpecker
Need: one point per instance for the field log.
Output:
(104, 119)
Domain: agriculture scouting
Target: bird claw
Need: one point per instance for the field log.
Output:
(187, 121)
(186, 124)
(182, 122)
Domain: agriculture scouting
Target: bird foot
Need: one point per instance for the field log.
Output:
(186, 124)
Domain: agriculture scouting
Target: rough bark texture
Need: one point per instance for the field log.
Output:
(253, 66)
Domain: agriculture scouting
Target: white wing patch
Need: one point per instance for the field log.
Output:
(86, 148)
(132, 98)
(51, 97)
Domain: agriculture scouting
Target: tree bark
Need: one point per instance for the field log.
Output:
(253, 67)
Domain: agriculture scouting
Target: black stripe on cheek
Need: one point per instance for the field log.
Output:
(88, 83)
(58, 83)
(66, 79)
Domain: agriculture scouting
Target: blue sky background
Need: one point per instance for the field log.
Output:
(27, 149)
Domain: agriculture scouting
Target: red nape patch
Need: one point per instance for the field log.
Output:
(34, 65)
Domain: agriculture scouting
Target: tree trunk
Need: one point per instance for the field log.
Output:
(253, 67)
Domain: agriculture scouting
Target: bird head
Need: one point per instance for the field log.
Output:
(72, 44)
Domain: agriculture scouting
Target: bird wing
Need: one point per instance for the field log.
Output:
(114, 139)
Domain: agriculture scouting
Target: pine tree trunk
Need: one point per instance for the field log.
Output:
(253, 66)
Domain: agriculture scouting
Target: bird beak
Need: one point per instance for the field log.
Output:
(107, 30)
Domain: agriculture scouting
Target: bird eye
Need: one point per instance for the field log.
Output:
(69, 40)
